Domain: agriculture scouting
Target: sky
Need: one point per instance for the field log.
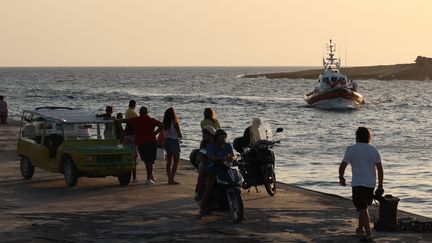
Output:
(212, 32)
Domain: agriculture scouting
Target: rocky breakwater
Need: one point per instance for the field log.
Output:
(421, 70)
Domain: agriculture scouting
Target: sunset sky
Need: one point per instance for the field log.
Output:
(211, 33)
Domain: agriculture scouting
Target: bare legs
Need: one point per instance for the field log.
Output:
(149, 169)
(201, 177)
(146, 153)
(172, 159)
(169, 158)
(364, 222)
(134, 178)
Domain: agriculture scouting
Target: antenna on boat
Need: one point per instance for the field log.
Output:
(346, 46)
(331, 48)
(331, 62)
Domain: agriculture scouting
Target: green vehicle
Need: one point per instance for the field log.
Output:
(73, 142)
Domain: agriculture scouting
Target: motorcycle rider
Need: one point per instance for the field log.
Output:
(207, 138)
(220, 151)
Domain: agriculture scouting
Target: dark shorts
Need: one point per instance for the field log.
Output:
(172, 146)
(147, 152)
(362, 196)
(3, 118)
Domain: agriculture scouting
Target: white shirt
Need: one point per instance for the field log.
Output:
(363, 158)
(171, 133)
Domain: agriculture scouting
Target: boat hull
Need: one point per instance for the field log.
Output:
(336, 98)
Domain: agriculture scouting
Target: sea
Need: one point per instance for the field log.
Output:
(398, 112)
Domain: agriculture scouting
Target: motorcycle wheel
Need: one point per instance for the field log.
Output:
(235, 203)
(270, 181)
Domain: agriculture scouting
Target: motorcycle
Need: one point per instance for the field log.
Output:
(257, 160)
(226, 193)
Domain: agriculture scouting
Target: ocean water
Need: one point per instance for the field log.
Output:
(399, 114)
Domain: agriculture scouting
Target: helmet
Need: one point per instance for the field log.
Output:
(209, 130)
(221, 131)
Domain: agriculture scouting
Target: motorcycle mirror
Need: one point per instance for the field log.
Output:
(279, 129)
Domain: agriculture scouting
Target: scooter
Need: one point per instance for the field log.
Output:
(257, 160)
(226, 193)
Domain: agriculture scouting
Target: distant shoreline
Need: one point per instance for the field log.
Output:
(411, 71)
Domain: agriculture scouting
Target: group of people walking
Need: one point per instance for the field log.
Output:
(140, 134)
(144, 134)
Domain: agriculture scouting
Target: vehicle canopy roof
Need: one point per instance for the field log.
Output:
(67, 115)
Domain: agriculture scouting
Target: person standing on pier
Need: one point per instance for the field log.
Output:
(365, 161)
(3, 110)
(145, 137)
(129, 136)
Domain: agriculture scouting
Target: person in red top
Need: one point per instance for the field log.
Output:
(145, 138)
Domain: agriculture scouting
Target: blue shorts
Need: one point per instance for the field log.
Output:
(172, 145)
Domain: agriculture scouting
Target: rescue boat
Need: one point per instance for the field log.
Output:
(334, 90)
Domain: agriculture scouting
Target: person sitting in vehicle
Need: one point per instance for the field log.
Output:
(53, 142)
(207, 138)
(219, 152)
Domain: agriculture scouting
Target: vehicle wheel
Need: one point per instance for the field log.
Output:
(70, 172)
(124, 179)
(270, 181)
(26, 167)
(235, 204)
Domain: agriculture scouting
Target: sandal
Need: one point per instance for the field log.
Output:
(360, 232)
(367, 239)
(203, 212)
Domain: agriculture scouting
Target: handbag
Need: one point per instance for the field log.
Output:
(160, 139)
(160, 154)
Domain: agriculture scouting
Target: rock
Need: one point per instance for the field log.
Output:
(423, 61)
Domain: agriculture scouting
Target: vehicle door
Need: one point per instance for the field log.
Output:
(43, 154)
(32, 140)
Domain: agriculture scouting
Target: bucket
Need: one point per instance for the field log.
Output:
(387, 213)
(160, 154)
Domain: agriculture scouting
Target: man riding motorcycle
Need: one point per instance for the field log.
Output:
(217, 152)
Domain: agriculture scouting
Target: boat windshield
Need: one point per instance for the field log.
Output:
(260, 130)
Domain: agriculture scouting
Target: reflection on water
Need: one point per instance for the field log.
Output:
(313, 142)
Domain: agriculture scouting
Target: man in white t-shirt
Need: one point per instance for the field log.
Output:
(365, 160)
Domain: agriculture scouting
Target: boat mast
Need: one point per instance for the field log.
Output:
(331, 60)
